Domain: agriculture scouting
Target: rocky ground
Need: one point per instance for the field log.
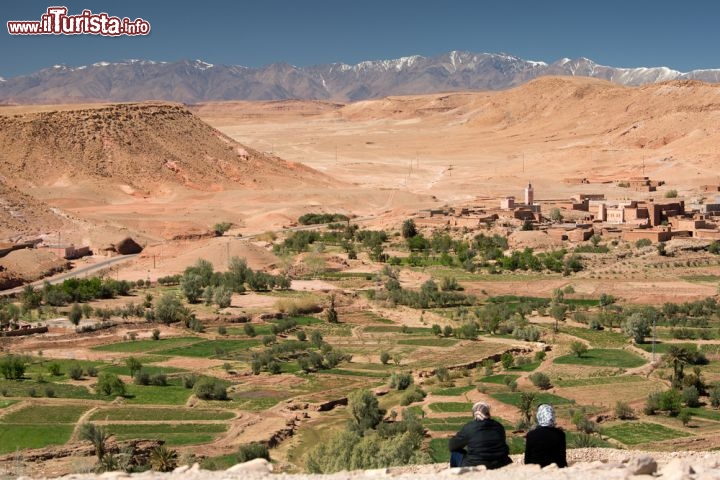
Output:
(596, 463)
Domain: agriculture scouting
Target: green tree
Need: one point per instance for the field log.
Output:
(556, 215)
(169, 309)
(364, 409)
(578, 348)
(526, 404)
(384, 357)
(192, 287)
(75, 314)
(637, 326)
(332, 315)
(134, 365)
(507, 360)
(408, 228)
(223, 296)
(12, 367)
(110, 384)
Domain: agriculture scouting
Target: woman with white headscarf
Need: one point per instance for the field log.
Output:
(481, 440)
(545, 444)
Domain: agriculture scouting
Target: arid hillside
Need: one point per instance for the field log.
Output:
(132, 146)
(21, 214)
(490, 143)
(100, 172)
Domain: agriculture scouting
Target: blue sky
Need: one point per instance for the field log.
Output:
(626, 33)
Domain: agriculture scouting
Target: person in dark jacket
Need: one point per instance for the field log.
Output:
(545, 444)
(483, 440)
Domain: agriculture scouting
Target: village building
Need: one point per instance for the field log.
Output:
(69, 252)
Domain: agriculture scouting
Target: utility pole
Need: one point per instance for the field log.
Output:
(653, 342)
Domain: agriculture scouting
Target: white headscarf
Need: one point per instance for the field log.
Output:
(481, 411)
(545, 415)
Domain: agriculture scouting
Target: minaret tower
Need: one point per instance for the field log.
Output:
(529, 197)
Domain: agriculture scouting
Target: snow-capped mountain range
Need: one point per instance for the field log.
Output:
(192, 81)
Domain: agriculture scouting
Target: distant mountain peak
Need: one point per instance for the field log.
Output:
(197, 80)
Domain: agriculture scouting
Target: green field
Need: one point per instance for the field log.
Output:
(499, 379)
(428, 342)
(45, 414)
(513, 398)
(127, 414)
(451, 391)
(153, 395)
(211, 348)
(597, 338)
(450, 407)
(581, 382)
(138, 346)
(19, 436)
(603, 358)
(636, 433)
(38, 426)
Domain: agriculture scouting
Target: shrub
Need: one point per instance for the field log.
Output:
(142, 378)
(584, 440)
(163, 459)
(210, 389)
(188, 381)
(643, 242)
(442, 374)
(652, 404)
(75, 372)
(249, 330)
(540, 355)
(250, 451)
(12, 367)
(109, 384)
(624, 411)
(75, 314)
(691, 396)
(685, 416)
(401, 381)
(91, 371)
(222, 330)
(540, 380)
(670, 402)
(715, 396)
(412, 395)
(672, 193)
(54, 369)
(578, 348)
(507, 360)
(301, 335)
(49, 392)
(156, 334)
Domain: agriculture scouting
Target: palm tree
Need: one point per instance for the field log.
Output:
(97, 436)
(677, 357)
(163, 459)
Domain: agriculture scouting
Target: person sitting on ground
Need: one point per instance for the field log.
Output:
(482, 440)
(545, 444)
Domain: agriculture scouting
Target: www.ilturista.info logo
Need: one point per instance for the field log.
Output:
(57, 22)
